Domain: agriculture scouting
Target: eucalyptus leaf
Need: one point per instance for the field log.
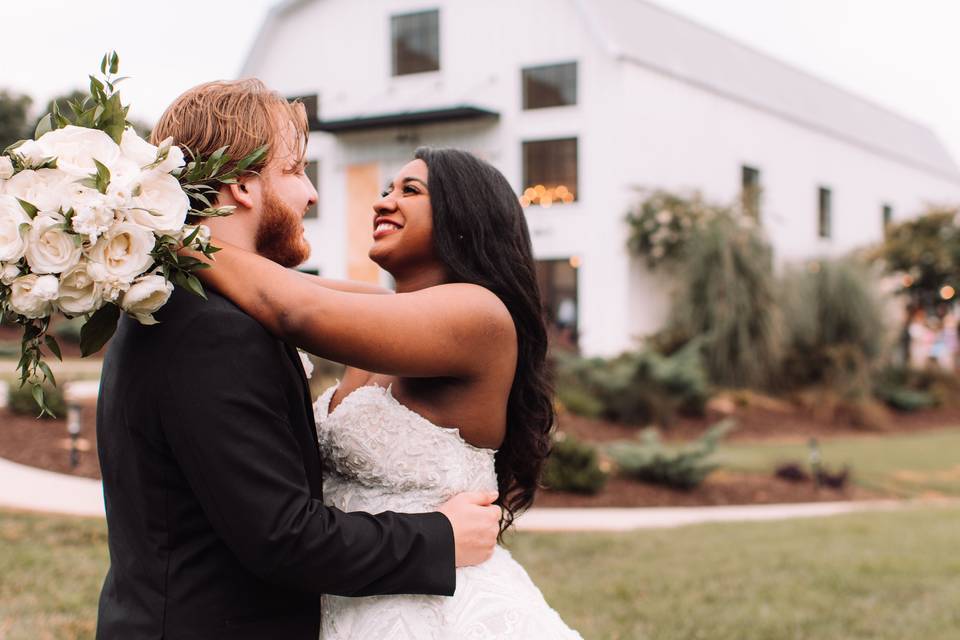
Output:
(99, 329)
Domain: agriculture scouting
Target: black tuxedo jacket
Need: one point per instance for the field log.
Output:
(212, 483)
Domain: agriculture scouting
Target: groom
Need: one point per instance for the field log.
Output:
(211, 472)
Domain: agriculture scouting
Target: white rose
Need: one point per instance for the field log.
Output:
(31, 153)
(79, 292)
(9, 273)
(13, 239)
(123, 252)
(146, 296)
(6, 168)
(50, 249)
(173, 161)
(137, 149)
(46, 189)
(32, 295)
(203, 236)
(75, 149)
(161, 204)
(94, 213)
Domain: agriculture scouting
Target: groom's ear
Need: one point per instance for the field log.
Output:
(242, 193)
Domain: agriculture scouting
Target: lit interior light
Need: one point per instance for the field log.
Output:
(907, 280)
(947, 292)
(575, 262)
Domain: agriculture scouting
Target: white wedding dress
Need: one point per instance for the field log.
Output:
(381, 456)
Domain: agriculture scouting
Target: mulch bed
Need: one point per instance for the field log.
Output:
(45, 444)
(721, 488)
(755, 424)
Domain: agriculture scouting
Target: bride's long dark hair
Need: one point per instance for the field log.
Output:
(480, 234)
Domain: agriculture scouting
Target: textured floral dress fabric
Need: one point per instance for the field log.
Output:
(381, 456)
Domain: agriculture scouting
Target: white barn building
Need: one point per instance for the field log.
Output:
(592, 99)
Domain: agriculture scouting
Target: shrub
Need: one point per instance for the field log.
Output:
(573, 467)
(835, 332)
(726, 296)
(21, 400)
(912, 390)
(635, 387)
(69, 330)
(684, 468)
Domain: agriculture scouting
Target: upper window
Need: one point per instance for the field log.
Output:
(416, 42)
(750, 191)
(549, 172)
(312, 173)
(825, 213)
(887, 217)
(550, 86)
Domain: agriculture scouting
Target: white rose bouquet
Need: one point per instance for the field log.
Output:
(91, 219)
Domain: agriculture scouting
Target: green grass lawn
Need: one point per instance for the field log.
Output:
(879, 576)
(901, 464)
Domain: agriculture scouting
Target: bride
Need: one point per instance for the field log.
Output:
(445, 389)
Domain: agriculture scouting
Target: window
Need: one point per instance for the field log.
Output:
(887, 217)
(416, 42)
(558, 290)
(550, 86)
(549, 172)
(750, 191)
(825, 213)
(313, 173)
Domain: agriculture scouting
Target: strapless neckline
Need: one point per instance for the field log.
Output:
(387, 392)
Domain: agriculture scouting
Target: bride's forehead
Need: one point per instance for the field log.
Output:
(413, 169)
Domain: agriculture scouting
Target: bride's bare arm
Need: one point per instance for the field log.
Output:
(448, 330)
(350, 286)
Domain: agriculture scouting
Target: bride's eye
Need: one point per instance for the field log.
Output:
(409, 189)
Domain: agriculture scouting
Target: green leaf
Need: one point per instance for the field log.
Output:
(114, 62)
(45, 125)
(31, 210)
(103, 63)
(103, 176)
(47, 372)
(54, 346)
(99, 329)
(38, 397)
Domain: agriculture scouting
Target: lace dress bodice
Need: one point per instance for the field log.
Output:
(381, 456)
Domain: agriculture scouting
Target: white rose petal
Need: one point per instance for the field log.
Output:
(6, 168)
(46, 189)
(161, 204)
(32, 295)
(173, 161)
(307, 363)
(123, 252)
(31, 153)
(79, 292)
(9, 273)
(146, 296)
(75, 149)
(50, 249)
(13, 237)
(137, 149)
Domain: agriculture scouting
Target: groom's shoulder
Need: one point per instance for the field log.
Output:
(187, 309)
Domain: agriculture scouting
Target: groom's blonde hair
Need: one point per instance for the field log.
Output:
(239, 114)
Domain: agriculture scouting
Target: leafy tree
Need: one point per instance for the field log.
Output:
(14, 117)
(927, 251)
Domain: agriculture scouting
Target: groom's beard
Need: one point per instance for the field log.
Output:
(280, 234)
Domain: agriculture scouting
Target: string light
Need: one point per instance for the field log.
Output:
(547, 196)
(947, 292)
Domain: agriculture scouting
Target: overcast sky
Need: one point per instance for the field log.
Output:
(902, 54)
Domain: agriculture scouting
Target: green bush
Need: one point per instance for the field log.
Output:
(636, 387)
(573, 467)
(684, 468)
(907, 389)
(726, 297)
(9, 349)
(835, 332)
(69, 330)
(21, 400)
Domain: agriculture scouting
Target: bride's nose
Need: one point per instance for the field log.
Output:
(386, 204)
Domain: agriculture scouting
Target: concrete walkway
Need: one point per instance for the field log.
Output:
(27, 488)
